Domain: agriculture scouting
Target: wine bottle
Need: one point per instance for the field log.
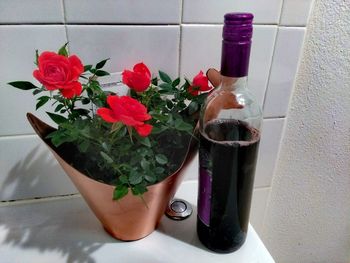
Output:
(229, 139)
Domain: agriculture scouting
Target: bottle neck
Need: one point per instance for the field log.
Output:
(232, 83)
(235, 58)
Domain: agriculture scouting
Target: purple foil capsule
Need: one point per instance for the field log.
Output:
(236, 44)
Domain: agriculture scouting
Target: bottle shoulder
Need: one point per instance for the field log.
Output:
(238, 104)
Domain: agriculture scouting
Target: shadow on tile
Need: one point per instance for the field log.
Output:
(37, 174)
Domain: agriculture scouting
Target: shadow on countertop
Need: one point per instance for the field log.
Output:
(67, 228)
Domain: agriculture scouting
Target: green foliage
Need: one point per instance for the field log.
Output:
(164, 77)
(120, 191)
(106, 151)
(101, 73)
(161, 159)
(63, 50)
(107, 158)
(87, 68)
(36, 62)
(23, 85)
(101, 64)
(57, 118)
(41, 101)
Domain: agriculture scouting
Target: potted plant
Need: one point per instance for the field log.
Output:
(123, 153)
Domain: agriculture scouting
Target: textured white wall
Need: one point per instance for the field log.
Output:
(308, 216)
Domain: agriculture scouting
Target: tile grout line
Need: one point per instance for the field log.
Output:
(38, 200)
(8, 136)
(273, 175)
(180, 39)
(274, 118)
(65, 22)
(281, 11)
(138, 24)
(264, 101)
(270, 70)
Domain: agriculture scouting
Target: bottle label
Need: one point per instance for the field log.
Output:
(204, 191)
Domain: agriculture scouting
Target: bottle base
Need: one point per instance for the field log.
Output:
(220, 243)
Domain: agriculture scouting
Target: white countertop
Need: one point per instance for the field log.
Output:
(65, 230)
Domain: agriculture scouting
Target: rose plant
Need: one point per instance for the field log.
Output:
(129, 141)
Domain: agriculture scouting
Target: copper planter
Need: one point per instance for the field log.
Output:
(129, 218)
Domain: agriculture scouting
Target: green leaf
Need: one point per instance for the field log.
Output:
(182, 126)
(161, 159)
(186, 85)
(57, 118)
(63, 50)
(144, 141)
(23, 85)
(193, 107)
(176, 82)
(37, 91)
(58, 140)
(87, 68)
(120, 191)
(85, 101)
(139, 189)
(155, 81)
(159, 170)
(84, 146)
(101, 73)
(106, 146)
(79, 112)
(58, 137)
(169, 104)
(165, 86)
(36, 57)
(157, 130)
(145, 164)
(41, 102)
(106, 157)
(135, 177)
(151, 178)
(101, 63)
(164, 77)
(123, 179)
(166, 92)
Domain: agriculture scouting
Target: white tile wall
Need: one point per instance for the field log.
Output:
(211, 11)
(29, 170)
(17, 53)
(257, 210)
(268, 150)
(156, 46)
(123, 12)
(295, 12)
(283, 70)
(33, 11)
(191, 170)
(175, 36)
(201, 49)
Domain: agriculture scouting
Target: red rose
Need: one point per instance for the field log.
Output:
(128, 111)
(199, 83)
(60, 72)
(139, 79)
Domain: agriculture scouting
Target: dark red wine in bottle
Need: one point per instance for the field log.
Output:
(229, 141)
